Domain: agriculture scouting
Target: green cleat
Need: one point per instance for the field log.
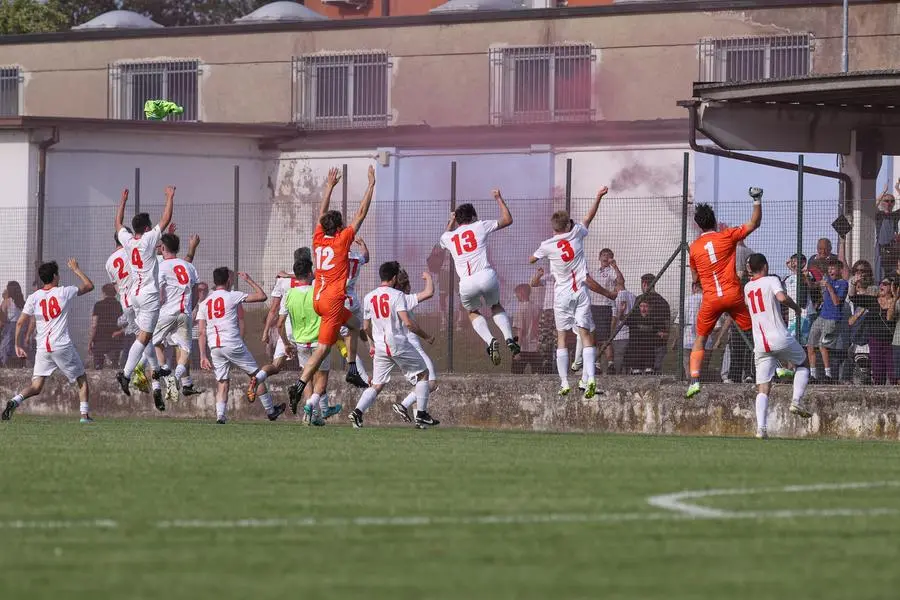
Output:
(693, 390)
(590, 389)
(564, 391)
(783, 373)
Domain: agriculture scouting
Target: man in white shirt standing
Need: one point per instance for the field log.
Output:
(50, 307)
(572, 305)
(221, 333)
(764, 296)
(466, 240)
(624, 305)
(388, 324)
(608, 277)
(140, 248)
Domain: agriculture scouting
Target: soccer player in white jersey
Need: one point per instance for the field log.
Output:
(221, 333)
(412, 301)
(177, 278)
(140, 248)
(50, 307)
(388, 324)
(357, 259)
(466, 240)
(572, 304)
(764, 296)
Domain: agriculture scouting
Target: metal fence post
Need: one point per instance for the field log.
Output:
(237, 217)
(344, 192)
(798, 274)
(682, 291)
(451, 323)
(137, 190)
(569, 185)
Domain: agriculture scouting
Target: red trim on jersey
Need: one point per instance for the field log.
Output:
(218, 339)
(386, 347)
(182, 301)
(574, 287)
(765, 341)
(47, 342)
(137, 292)
(127, 304)
(469, 267)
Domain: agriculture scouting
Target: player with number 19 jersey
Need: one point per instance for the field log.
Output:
(332, 267)
(713, 259)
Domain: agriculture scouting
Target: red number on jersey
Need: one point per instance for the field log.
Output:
(381, 307)
(50, 309)
(181, 274)
(216, 308)
(756, 301)
(136, 259)
(468, 243)
(567, 252)
(119, 264)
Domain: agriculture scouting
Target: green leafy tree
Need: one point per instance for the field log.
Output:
(77, 12)
(28, 16)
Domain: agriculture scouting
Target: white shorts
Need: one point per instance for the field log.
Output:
(354, 306)
(146, 311)
(483, 285)
(573, 310)
(767, 362)
(174, 330)
(127, 321)
(66, 359)
(224, 358)
(416, 342)
(405, 356)
(304, 351)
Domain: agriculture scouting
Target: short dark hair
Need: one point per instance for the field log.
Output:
(47, 271)
(756, 262)
(389, 270)
(834, 262)
(221, 276)
(561, 221)
(607, 251)
(648, 278)
(171, 242)
(116, 237)
(301, 253)
(303, 269)
(465, 213)
(331, 221)
(705, 217)
(141, 223)
(799, 257)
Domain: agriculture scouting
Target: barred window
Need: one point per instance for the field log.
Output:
(10, 88)
(541, 84)
(342, 91)
(132, 84)
(740, 59)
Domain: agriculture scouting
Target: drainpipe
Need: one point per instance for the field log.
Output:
(385, 8)
(768, 162)
(43, 147)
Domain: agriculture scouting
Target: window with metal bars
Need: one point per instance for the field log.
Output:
(342, 91)
(542, 84)
(132, 84)
(10, 82)
(740, 59)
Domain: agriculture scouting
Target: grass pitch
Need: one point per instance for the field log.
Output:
(176, 509)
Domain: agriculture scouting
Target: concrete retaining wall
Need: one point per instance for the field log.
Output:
(649, 405)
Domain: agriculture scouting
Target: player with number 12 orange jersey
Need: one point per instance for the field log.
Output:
(712, 258)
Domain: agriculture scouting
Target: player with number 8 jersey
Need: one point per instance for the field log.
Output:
(712, 260)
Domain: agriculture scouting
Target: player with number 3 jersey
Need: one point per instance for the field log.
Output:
(331, 250)
(712, 257)
(50, 307)
(466, 240)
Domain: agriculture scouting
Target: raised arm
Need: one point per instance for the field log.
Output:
(169, 208)
(538, 278)
(193, 243)
(505, 219)
(87, 286)
(414, 327)
(756, 216)
(620, 278)
(366, 202)
(334, 176)
(362, 246)
(592, 211)
(258, 294)
(842, 256)
(428, 292)
(120, 212)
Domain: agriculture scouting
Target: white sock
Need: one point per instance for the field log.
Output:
(134, 355)
(313, 401)
(361, 367)
(562, 366)
(261, 376)
(18, 399)
(762, 409)
(422, 391)
(590, 354)
(83, 407)
(187, 381)
(180, 370)
(164, 367)
(154, 384)
(323, 403)
(409, 400)
(579, 347)
(801, 380)
(220, 409)
(150, 357)
(480, 325)
(827, 371)
(502, 321)
(366, 400)
(267, 403)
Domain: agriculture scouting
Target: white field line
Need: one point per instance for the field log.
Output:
(676, 509)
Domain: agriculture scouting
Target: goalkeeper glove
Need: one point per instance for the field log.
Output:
(756, 194)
